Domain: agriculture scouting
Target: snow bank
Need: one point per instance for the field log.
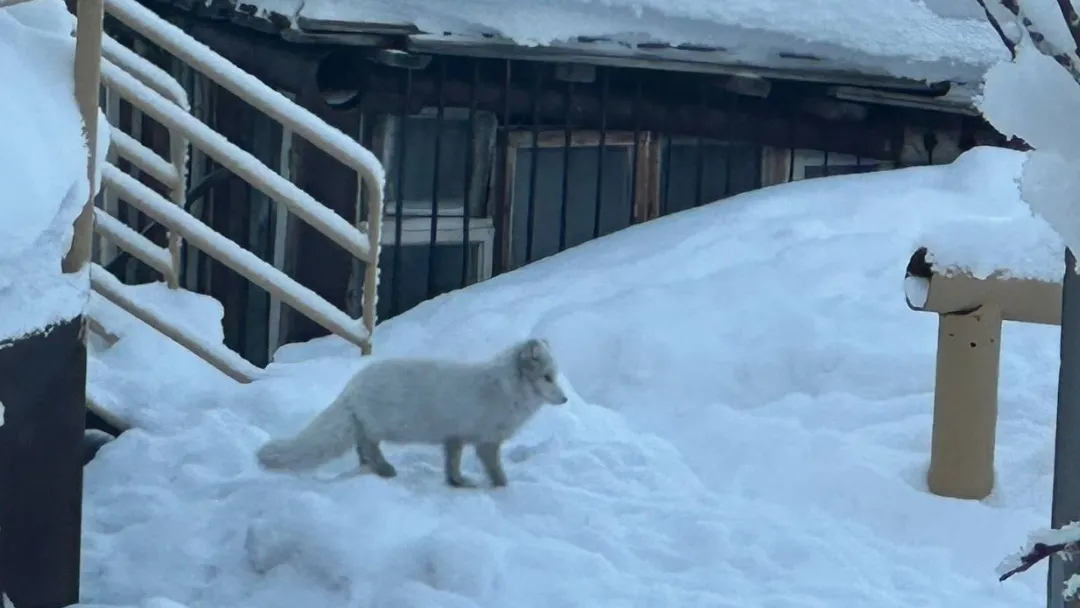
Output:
(42, 168)
(750, 427)
(907, 38)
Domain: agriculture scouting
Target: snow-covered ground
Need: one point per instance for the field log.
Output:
(751, 428)
(42, 168)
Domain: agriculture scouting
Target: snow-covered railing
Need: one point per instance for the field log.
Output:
(971, 307)
(149, 74)
(244, 262)
(297, 119)
(214, 353)
(159, 96)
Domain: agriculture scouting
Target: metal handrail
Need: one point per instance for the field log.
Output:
(160, 96)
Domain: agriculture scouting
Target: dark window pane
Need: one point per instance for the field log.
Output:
(414, 273)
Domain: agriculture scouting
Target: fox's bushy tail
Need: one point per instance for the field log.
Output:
(325, 438)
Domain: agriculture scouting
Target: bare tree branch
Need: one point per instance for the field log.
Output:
(1072, 20)
(1009, 44)
(1037, 553)
(1043, 45)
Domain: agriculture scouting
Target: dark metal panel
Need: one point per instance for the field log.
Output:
(1066, 501)
(266, 146)
(43, 390)
(233, 118)
(320, 264)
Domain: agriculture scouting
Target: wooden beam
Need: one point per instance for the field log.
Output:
(763, 122)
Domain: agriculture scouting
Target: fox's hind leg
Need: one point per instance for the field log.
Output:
(488, 454)
(370, 454)
(373, 456)
(452, 449)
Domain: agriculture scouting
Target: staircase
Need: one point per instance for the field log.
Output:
(160, 96)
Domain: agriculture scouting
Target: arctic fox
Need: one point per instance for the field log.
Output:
(427, 401)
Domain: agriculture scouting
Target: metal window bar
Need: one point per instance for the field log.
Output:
(665, 203)
(440, 87)
(699, 143)
(636, 154)
(400, 158)
(502, 191)
(568, 134)
(530, 205)
(732, 107)
(598, 210)
(470, 152)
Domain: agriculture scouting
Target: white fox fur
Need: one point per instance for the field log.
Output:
(428, 401)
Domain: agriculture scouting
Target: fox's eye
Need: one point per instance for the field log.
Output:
(549, 378)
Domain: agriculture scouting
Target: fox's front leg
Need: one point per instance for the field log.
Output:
(489, 456)
(452, 449)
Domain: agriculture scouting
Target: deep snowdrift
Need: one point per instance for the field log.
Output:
(752, 430)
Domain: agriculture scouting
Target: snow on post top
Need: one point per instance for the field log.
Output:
(1023, 247)
(1006, 242)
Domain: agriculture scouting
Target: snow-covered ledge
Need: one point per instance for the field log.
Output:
(43, 157)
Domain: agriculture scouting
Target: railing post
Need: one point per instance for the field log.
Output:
(88, 34)
(1066, 497)
(371, 271)
(965, 404)
(178, 153)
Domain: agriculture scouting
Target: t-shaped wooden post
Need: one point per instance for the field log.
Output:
(970, 313)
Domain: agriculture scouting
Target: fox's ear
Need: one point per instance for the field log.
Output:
(533, 348)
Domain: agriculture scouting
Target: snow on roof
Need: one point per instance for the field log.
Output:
(948, 40)
(42, 167)
(748, 426)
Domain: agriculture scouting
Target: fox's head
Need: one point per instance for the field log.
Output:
(538, 368)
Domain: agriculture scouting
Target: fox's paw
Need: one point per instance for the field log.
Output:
(385, 470)
(460, 481)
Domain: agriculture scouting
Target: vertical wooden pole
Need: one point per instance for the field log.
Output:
(965, 404)
(88, 34)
